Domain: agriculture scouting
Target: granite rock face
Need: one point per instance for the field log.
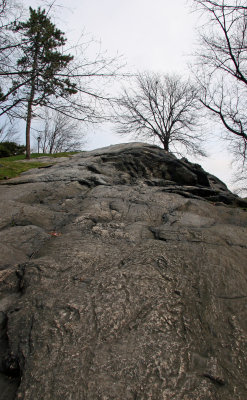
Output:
(123, 276)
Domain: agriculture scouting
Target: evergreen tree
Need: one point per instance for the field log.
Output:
(41, 65)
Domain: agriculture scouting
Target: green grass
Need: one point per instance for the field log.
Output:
(11, 167)
(36, 155)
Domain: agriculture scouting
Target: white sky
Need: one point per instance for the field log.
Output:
(157, 35)
(154, 35)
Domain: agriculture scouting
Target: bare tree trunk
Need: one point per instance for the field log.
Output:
(166, 145)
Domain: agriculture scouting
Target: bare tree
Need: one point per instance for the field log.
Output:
(59, 133)
(239, 177)
(162, 107)
(240, 183)
(222, 68)
(8, 132)
(10, 12)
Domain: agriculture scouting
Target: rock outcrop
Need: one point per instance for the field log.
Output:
(123, 276)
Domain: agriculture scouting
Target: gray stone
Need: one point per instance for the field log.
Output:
(122, 277)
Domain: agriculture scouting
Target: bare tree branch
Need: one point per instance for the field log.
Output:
(163, 107)
(221, 67)
(59, 133)
(8, 132)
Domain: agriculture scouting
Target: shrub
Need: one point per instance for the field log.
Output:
(8, 149)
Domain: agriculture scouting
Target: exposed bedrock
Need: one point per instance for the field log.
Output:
(122, 277)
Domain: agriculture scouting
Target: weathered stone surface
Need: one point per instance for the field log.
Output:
(122, 277)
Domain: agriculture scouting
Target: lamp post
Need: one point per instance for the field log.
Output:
(39, 139)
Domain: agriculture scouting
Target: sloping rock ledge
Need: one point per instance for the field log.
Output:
(122, 277)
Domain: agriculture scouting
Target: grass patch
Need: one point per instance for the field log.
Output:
(36, 155)
(11, 167)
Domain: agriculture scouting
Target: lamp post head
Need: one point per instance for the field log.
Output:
(39, 139)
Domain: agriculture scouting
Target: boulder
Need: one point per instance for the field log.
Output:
(122, 277)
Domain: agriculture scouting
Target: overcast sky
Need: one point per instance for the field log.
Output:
(157, 35)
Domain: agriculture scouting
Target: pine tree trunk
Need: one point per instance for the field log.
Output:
(28, 127)
(29, 110)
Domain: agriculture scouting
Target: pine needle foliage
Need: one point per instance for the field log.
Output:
(40, 65)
